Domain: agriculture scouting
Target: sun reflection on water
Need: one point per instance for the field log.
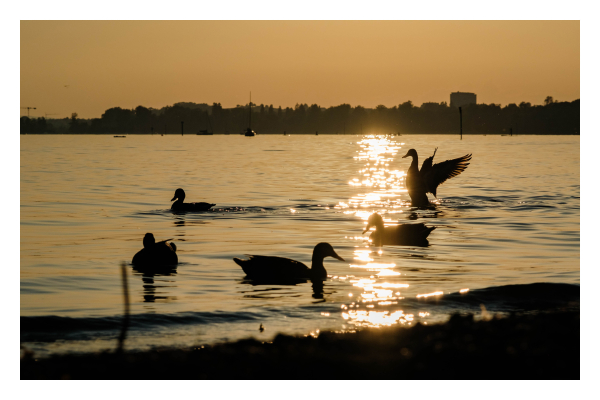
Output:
(377, 152)
(379, 283)
(430, 294)
(368, 318)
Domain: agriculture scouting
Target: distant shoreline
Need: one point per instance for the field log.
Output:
(552, 117)
(543, 345)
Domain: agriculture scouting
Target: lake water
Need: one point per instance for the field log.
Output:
(507, 230)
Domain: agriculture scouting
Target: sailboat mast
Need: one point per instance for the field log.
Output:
(209, 124)
(250, 117)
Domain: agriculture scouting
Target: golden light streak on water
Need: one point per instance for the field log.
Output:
(393, 285)
(362, 255)
(464, 290)
(364, 283)
(430, 294)
(388, 272)
(368, 318)
(384, 187)
(378, 152)
(373, 266)
(383, 293)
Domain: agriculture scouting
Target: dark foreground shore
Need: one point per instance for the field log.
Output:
(528, 346)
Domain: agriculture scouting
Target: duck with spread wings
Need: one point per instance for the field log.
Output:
(427, 180)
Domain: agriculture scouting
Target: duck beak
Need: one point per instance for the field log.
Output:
(367, 228)
(173, 198)
(334, 255)
(405, 155)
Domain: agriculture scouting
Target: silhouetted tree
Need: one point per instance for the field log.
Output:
(143, 119)
(73, 127)
(118, 120)
(35, 125)
(406, 106)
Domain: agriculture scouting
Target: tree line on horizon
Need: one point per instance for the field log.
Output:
(552, 117)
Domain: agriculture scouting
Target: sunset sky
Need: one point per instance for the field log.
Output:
(89, 66)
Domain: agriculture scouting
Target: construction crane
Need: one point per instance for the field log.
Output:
(28, 108)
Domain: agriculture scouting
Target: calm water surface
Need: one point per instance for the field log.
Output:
(512, 218)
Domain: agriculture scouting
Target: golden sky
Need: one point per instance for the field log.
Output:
(129, 63)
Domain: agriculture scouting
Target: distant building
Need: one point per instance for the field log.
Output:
(459, 99)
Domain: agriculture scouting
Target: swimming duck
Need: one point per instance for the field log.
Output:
(283, 269)
(155, 255)
(419, 183)
(179, 205)
(403, 235)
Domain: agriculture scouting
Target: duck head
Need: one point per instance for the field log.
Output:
(179, 194)
(323, 250)
(149, 240)
(411, 153)
(374, 220)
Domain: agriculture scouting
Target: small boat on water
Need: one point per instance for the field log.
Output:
(119, 136)
(205, 131)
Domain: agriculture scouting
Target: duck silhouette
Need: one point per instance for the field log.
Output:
(401, 235)
(155, 256)
(285, 270)
(179, 205)
(427, 180)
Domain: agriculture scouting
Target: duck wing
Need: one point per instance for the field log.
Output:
(168, 246)
(201, 206)
(165, 253)
(441, 172)
(415, 231)
(191, 206)
(273, 268)
(427, 165)
(405, 235)
(160, 256)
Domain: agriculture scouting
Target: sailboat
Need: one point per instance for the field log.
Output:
(205, 131)
(249, 131)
